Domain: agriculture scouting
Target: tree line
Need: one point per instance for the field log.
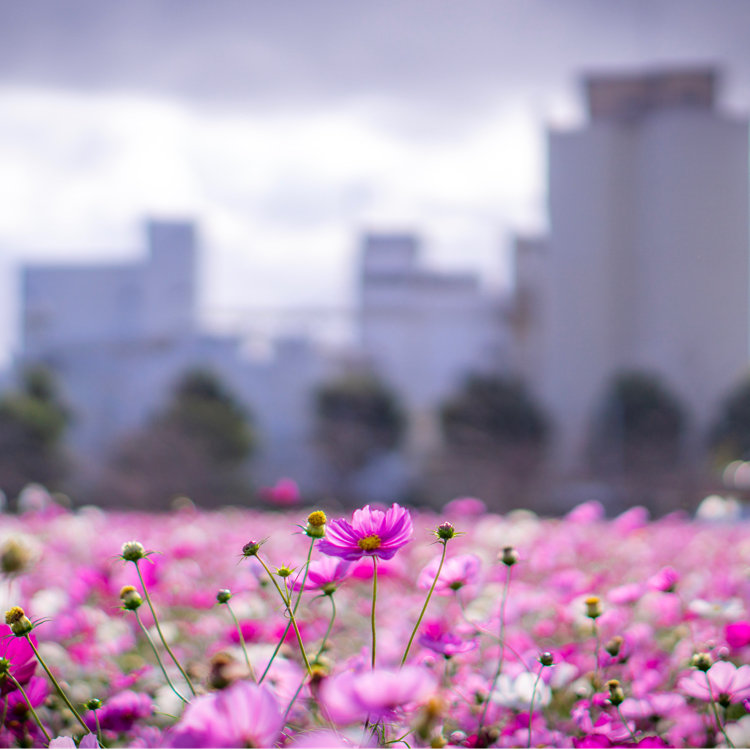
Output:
(493, 439)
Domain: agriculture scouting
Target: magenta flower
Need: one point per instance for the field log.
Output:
(372, 533)
(243, 715)
(377, 693)
(729, 684)
(323, 574)
(437, 636)
(121, 711)
(457, 572)
(737, 634)
(20, 655)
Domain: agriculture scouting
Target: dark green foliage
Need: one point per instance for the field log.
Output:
(205, 412)
(197, 446)
(730, 434)
(639, 425)
(32, 424)
(493, 411)
(357, 419)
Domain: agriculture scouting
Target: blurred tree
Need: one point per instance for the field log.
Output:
(357, 420)
(493, 413)
(197, 447)
(494, 440)
(33, 420)
(638, 427)
(729, 436)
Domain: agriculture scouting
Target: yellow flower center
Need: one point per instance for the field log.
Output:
(14, 614)
(317, 518)
(369, 543)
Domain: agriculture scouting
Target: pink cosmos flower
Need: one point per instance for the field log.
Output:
(20, 655)
(121, 711)
(372, 533)
(243, 715)
(737, 633)
(729, 684)
(457, 572)
(437, 636)
(665, 579)
(377, 693)
(323, 573)
(284, 492)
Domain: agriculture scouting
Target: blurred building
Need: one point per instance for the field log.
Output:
(423, 330)
(119, 336)
(646, 262)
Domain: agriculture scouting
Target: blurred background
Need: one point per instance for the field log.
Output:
(403, 250)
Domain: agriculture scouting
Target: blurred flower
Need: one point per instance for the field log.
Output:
(372, 533)
(465, 506)
(439, 637)
(738, 634)
(729, 684)
(324, 573)
(284, 492)
(457, 572)
(377, 693)
(665, 579)
(516, 692)
(20, 655)
(121, 711)
(243, 715)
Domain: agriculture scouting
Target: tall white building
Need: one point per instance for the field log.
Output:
(424, 331)
(646, 264)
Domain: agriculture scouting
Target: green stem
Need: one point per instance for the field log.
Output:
(597, 648)
(625, 724)
(289, 609)
(98, 730)
(56, 684)
(502, 650)
(533, 696)
(316, 657)
(304, 578)
(158, 658)
(242, 643)
(158, 629)
(374, 599)
(426, 602)
(719, 725)
(29, 706)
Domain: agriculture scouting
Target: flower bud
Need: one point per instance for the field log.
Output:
(329, 589)
(445, 531)
(92, 704)
(14, 557)
(545, 659)
(223, 596)
(509, 556)
(130, 598)
(251, 549)
(133, 551)
(701, 661)
(4, 666)
(616, 696)
(284, 571)
(614, 645)
(19, 624)
(593, 607)
(316, 525)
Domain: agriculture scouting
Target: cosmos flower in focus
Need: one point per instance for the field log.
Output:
(372, 533)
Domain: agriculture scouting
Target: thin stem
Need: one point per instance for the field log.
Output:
(374, 599)
(426, 602)
(304, 578)
(158, 658)
(242, 643)
(158, 629)
(56, 684)
(287, 603)
(597, 648)
(533, 696)
(98, 730)
(502, 649)
(719, 725)
(29, 706)
(316, 657)
(626, 725)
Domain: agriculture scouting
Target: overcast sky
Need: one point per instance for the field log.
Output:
(285, 128)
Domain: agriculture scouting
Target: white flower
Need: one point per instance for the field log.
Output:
(516, 692)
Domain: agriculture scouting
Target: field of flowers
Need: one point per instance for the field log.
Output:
(387, 627)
